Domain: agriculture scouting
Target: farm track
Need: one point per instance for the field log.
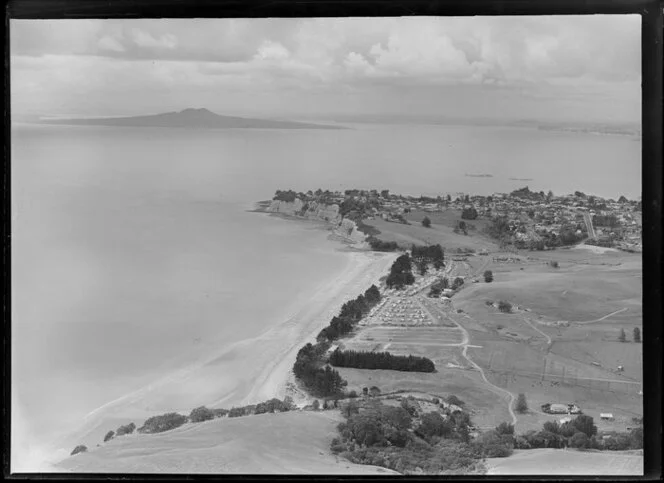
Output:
(465, 343)
(548, 338)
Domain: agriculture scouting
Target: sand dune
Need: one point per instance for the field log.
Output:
(286, 443)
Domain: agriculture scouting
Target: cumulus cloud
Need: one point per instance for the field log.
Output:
(530, 54)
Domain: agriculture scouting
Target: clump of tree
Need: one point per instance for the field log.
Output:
(455, 401)
(461, 227)
(126, 429)
(488, 276)
(288, 195)
(437, 287)
(380, 360)
(200, 414)
(457, 283)
(429, 254)
(109, 436)
(553, 264)
(469, 213)
(621, 335)
(163, 422)
(636, 334)
(521, 405)
(382, 246)
(81, 448)
(351, 313)
(505, 306)
(580, 432)
(275, 405)
(392, 438)
(426, 222)
(317, 380)
(400, 273)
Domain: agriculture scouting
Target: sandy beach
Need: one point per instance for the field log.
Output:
(245, 372)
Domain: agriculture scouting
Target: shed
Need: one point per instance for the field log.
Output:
(606, 416)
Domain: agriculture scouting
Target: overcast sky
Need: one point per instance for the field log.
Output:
(548, 68)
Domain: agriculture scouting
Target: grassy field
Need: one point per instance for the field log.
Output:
(487, 408)
(567, 462)
(296, 442)
(441, 231)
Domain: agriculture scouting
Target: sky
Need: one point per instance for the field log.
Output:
(571, 68)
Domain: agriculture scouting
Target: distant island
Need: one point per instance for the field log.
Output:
(479, 175)
(191, 118)
(521, 179)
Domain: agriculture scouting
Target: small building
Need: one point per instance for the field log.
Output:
(606, 416)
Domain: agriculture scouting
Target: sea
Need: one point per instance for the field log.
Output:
(133, 250)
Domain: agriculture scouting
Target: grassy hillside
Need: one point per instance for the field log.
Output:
(570, 462)
(292, 443)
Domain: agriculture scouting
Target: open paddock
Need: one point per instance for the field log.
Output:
(415, 233)
(487, 408)
(567, 462)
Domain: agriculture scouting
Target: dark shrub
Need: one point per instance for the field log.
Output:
(433, 424)
(352, 394)
(580, 440)
(505, 428)
(163, 422)
(81, 448)
(452, 399)
(504, 306)
(521, 404)
(201, 414)
(220, 413)
(126, 429)
(109, 436)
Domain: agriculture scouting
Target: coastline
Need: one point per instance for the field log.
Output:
(250, 370)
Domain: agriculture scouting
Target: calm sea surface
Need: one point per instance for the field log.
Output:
(132, 252)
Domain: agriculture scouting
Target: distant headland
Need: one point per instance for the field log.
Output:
(191, 118)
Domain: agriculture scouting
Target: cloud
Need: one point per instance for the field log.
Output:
(540, 57)
(146, 40)
(108, 43)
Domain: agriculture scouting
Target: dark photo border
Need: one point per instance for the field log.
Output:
(652, 178)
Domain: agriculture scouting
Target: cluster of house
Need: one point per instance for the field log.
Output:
(529, 215)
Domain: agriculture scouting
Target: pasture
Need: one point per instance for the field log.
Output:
(552, 462)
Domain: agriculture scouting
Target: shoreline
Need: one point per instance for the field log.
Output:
(250, 370)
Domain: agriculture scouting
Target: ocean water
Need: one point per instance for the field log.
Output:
(133, 253)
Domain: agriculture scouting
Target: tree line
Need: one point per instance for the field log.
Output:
(380, 360)
(308, 368)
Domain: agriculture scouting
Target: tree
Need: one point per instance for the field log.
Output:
(109, 436)
(469, 213)
(488, 276)
(549, 195)
(316, 405)
(521, 404)
(637, 334)
(81, 448)
(385, 193)
(374, 391)
(426, 222)
(585, 424)
(505, 428)
(349, 409)
(200, 414)
(621, 336)
(504, 306)
(126, 429)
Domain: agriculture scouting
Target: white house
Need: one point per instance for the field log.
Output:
(606, 416)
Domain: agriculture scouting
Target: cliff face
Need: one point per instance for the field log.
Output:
(317, 211)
